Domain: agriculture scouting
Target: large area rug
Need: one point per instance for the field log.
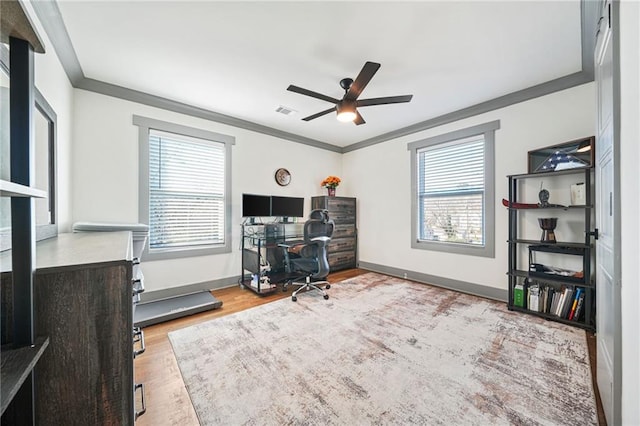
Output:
(383, 350)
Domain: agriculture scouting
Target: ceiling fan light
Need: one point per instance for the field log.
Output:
(346, 116)
(346, 112)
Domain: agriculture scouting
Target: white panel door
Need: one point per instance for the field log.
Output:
(607, 281)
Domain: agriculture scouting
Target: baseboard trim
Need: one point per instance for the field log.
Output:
(189, 289)
(448, 283)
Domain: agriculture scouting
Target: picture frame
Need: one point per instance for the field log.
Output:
(576, 154)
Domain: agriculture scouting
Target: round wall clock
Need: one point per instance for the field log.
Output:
(283, 177)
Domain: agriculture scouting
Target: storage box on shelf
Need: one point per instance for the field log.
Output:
(547, 288)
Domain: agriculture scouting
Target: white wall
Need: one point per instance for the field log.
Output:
(380, 177)
(105, 171)
(52, 82)
(630, 207)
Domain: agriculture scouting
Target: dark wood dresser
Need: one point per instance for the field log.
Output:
(83, 302)
(342, 250)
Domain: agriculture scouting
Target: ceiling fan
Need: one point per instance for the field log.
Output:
(347, 106)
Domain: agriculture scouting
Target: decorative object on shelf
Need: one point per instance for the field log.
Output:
(578, 196)
(577, 154)
(282, 177)
(543, 196)
(514, 205)
(548, 225)
(331, 183)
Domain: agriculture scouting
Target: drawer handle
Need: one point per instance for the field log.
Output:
(138, 286)
(138, 337)
(144, 406)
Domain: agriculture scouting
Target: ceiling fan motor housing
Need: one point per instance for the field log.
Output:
(346, 83)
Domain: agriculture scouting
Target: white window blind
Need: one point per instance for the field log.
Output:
(186, 191)
(451, 185)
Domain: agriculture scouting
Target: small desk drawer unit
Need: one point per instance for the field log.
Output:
(342, 250)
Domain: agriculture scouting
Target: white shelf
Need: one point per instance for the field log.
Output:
(10, 189)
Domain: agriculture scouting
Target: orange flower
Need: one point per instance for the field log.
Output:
(330, 182)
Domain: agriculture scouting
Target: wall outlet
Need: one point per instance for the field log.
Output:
(404, 275)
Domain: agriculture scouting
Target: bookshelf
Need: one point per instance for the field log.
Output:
(539, 282)
(21, 352)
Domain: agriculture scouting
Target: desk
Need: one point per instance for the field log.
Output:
(263, 257)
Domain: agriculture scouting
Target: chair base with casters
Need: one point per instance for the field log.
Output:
(310, 285)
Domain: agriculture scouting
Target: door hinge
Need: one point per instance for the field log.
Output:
(593, 233)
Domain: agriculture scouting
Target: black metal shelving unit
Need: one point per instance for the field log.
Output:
(518, 275)
(22, 351)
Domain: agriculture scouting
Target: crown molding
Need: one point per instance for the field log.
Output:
(51, 19)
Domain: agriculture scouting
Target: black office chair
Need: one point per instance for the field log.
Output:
(309, 260)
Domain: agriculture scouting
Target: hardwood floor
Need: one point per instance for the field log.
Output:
(166, 397)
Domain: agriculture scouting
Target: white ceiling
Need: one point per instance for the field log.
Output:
(237, 58)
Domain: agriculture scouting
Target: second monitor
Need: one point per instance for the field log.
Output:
(287, 206)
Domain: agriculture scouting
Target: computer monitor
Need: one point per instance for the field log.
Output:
(287, 206)
(256, 205)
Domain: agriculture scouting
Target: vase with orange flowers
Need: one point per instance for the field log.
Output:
(331, 183)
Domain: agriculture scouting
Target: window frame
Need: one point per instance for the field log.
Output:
(42, 107)
(145, 124)
(488, 249)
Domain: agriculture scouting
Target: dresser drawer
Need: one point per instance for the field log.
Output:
(341, 244)
(341, 209)
(342, 217)
(342, 260)
(344, 230)
(341, 204)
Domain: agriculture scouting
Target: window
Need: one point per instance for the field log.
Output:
(453, 187)
(44, 157)
(184, 189)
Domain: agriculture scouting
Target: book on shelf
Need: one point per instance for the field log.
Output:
(554, 302)
(518, 295)
(560, 304)
(564, 312)
(534, 297)
(574, 305)
(565, 302)
(576, 316)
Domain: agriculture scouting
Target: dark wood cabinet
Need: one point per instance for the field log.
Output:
(83, 302)
(343, 248)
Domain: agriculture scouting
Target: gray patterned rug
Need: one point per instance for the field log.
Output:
(383, 350)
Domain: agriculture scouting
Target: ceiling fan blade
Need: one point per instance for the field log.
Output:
(320, 114)
(311, 93)
(384, 101)
(358, 120)
(366, 74)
